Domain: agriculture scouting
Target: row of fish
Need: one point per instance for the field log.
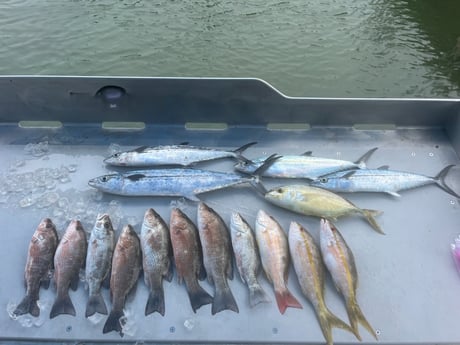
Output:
(197, 252)
(332, 174)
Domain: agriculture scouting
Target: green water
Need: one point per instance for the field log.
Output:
(349, 48)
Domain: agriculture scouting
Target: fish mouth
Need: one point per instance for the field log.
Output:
(92, 182)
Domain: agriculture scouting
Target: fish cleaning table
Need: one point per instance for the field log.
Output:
(56, 131)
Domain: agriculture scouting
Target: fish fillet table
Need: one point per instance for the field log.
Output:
(408, 284)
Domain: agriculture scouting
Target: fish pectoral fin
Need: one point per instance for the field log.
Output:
(140, 149)
(74, 282)
(395, 194)
(349, 174)
(307, 153)
(135, 177)
(384, 167)
(169, 274)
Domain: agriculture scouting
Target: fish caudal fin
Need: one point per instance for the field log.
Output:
(440, 181)
(27, 306)
(95, 305)
(356, 317)
(257, 295)
(369, 215)
(114, 323)
(156, 302)
(224, 300)
(198, 297)
(361, 162)
(285, 299)
(239, 152)
(62, 305)
(327, 321)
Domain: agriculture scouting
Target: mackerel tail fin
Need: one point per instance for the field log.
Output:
(62, 305)
(113, 322)
(361, 162)
(156, 301)
(95, 305)
(440, 179)
(239, 152)
(257, 295)
(285, 299)
(356, 317)
(27, 305)
(327, 321)
(198, 297)
(255, 181)
(223, 300)
(369, 215)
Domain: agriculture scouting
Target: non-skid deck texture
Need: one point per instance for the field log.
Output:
(408, 288)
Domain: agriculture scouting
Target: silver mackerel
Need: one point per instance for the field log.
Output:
(172, 155)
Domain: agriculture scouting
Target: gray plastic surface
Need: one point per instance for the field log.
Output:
(409, 286)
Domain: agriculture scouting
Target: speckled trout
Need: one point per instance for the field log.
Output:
(340, 263)
(310, 270)
(173, 155)
(40, 256)
(99, 262)
(247, 258)
(274, 254)
(318, 202)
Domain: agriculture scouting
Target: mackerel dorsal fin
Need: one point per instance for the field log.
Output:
(135, 177)
(307, 153)
(361, 162)
(140, 149)
(384, 167)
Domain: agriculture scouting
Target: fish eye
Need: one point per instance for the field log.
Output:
(116, 155)
(106, 225)
(104, 178)
(323, 180)
(280, 190)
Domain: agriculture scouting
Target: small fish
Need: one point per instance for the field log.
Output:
(188, 257)
(173, 155)
(69, 259)
(318, 202)
(156, 253)
(126, 265)
(184, 182)
(217, 257)
(381, 180)
(340, 263)
(42, 247)
(247, 258)
(274, 254)
(309, 269)
(303, 166)
(99, 262)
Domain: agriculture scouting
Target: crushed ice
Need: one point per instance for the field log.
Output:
(28, 320)
(128, 323)
(96, 318)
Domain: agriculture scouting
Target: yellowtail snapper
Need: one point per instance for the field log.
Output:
(340, 263)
